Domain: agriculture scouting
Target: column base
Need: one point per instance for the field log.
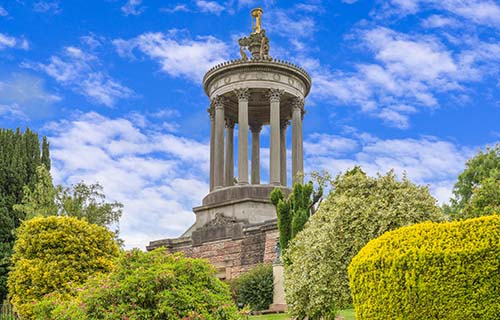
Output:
(244, 183)
(276, 183)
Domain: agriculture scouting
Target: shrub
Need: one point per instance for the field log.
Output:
(150, 286)
(254, 288)
(431, 271)
(358, 209)
(53, 254)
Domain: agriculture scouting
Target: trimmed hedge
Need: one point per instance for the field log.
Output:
(430, 271)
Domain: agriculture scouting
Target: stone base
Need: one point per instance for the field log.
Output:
(277, 308)
(235, 230)
(279, 303)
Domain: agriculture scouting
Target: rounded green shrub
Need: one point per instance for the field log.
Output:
(148, 286)
(254, 288)
(430, 271)
(53, 254)
(359, 208)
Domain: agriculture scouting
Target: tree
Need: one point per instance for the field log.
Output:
(41, 199)
(294, 212)
(148, 285)
(358, 209)
(82, 201)
(54, 254)
(20, 155)
(482, 177)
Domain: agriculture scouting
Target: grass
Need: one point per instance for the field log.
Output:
(347, 314)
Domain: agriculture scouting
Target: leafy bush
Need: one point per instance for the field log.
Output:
(431, 271)
(150, 286)
(358, 209)
(254, 288)
(52, 255)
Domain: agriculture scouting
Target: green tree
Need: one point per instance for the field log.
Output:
(254, 288)
(82, 201)
(482, 176)
(358, 209)
(20, 155)
(52, 255)
(41, 199)
(148, 286)
(294, 211)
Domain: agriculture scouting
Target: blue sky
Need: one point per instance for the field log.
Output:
(412, 85)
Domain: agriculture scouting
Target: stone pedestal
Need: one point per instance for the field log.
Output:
(279, 303)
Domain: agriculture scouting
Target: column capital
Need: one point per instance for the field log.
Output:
(211, 112)
(230, 123)
(298, 103)
(242, 94)
(275, 94)
(255, 128)
(219, 102)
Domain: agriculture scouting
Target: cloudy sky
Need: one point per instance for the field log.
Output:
(116, 86)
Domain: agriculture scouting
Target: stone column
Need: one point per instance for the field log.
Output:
(284, 125)
(297, 168)
(229, 163)
(300, 163)
(211, 112)
(274, 166)
(255, 128)
(243, 96)
(219, 142)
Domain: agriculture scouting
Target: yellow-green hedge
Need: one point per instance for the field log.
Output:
(430, 271)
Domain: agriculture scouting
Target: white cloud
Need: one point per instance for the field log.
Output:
(7, 41)
(3, 12)
(83, 72)
(407, 69)
(439, 21)
(485, 12)
(132, 7)
(176, 8)
(178, 57)
(23, 96)
(158, 177)
(426, 161)
(209, 6)
(47, 7)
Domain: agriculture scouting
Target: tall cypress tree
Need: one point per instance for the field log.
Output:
(20, 155)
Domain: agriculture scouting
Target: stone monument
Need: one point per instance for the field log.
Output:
(235, 225)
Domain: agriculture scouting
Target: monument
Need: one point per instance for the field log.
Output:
(235, 225)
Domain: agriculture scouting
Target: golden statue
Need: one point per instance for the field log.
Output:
(257, 14)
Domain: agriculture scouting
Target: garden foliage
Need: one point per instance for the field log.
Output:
(148, 286)
(20, 155)
(359, 208)
(294, 212)
(254, 288)
(52, 255)
(430, 270)
(476, 193)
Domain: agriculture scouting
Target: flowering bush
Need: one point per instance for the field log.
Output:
(150, 286)
(54, 254)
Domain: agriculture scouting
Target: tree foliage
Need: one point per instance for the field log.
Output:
(254, 288)
(430, 271)
(358, 209)
(480, 179)
(20, 155)
(148, 286)
(52, 255)
(294, 211)
(82, 201)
